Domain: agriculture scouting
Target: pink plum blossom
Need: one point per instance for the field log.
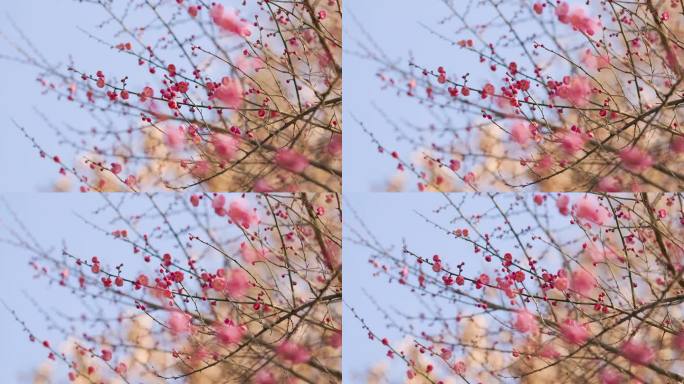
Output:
(609, 184)
(261, 185)
(562, 204)
(237, 282)
(218, 203)
(229, 92)
(293, 352)
(334, 147)
(521, 133)
(225, 146)
(229, 21)
(576, 17)
(175, 138)
(677, 144)
(637, 352)
(241, 214)
(525, 322)
(548, 351)
(582, 281)
(611, 376)
(251, 255)
(228, 333)
(595, 61)
(291, 160)
(576, 90)
(572, 142)
(264, 377)
(179, 323)
(588, 208)
(635, 159)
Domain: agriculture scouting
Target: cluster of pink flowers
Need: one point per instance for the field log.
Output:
(229, 21)
(582, 281)
(595, 61)
(295, 353)
(576, 17)
(635, 159)
(525, 322)
(234, 282)
(229, 92)
(637, 352)
(225, 146)
(240, 213)
(228, 333)
(521, 132)
(291, 160)
(572, 142)
(574, 332)
(575, 89)
(179, 323)
(589, 209)
(175, 138)
(251, 254)
(238, 210)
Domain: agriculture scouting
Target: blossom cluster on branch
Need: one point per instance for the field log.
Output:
(213, 287)
(244, 96)
(547, 287)
(565, 96)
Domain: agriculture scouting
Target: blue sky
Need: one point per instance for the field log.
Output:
(53, 29)
(51, 218)
(50, 25)
(390, 217)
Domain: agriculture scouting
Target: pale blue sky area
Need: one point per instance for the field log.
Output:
(51, 219)
(53, 29)
(391, 218)
(395, 25)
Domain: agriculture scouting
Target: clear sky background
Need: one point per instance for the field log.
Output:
(394, 218)
(53, 29)
(52, 220)
(395, 25)
(390, 217)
